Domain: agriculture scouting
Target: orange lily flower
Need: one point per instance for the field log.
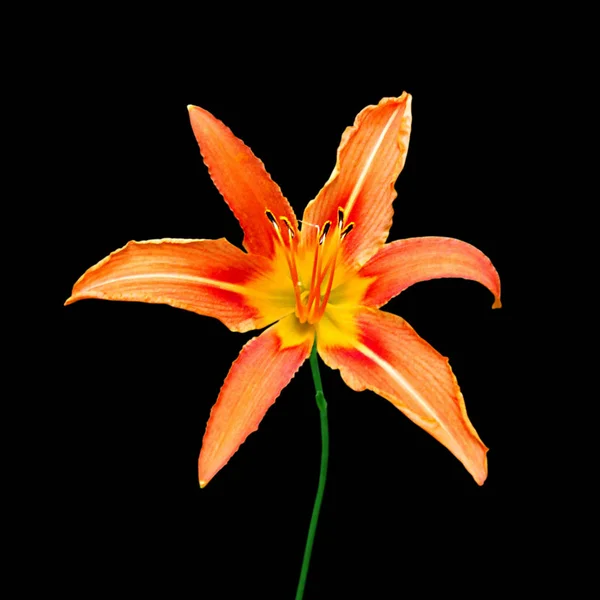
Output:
(327, 278)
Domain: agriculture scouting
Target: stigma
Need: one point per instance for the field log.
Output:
(311, 265)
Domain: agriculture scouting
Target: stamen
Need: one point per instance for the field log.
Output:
(326, 228)
(320, 310)
(315, 276)
(289, 227)
(289, 255)
(328, 290)
(321, 272)
(346, 231)
(291, 260)
(340, 218)
(272, 219)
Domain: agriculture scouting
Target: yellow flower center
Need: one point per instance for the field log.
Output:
(311, 265)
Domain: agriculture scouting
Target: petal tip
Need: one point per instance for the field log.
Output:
(497, 303)
(203, 483)
(190, 107)
(480, 474)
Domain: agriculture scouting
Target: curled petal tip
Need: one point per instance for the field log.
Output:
(497, 303)
(480, 479)
(480, 471)
(72, 299)
(190, 107)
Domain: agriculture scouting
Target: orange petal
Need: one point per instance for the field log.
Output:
(242, 180)
(208, 277)
(264, 367)
(400, 264)
(379, 351)
(369, 160)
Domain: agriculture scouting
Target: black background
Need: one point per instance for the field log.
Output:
(137, 381)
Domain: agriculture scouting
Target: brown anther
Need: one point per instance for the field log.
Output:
(287, 224)
(326, 228)
(272, 219)
(340, 217)
(346, 231)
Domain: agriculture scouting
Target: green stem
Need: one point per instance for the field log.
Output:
(322, 404)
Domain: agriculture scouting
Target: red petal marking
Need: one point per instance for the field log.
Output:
(264, 367)
(370, 157)
(242, 180)
(389, 358)
(398, 265)
(207, 277)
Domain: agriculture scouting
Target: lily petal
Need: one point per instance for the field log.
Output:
(380, 351)
(398, 265)
(208, 277)
(264, 367)
(370, 157)
(242, 180)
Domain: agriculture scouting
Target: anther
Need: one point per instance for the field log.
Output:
(272, 219)
(287, 224)
(325, 231)
(346, 231)
(340, 217)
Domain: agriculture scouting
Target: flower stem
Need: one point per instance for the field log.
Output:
(322, 404)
